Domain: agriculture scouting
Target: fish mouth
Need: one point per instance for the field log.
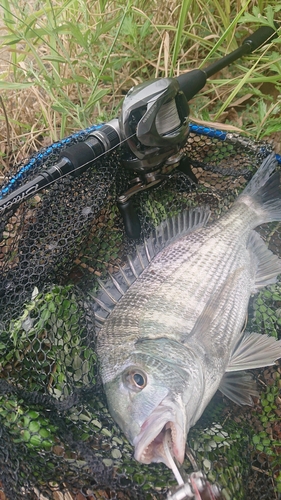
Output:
(162, 437)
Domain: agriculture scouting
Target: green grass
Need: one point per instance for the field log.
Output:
(65, 64)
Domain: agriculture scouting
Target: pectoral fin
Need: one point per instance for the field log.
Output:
(239, 387)
(213, 309)
(254, 350)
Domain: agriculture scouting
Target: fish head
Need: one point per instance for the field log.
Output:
(154, 398)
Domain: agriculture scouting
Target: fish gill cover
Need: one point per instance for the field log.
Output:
(58, 440)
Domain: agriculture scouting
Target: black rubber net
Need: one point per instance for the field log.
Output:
(58, 440)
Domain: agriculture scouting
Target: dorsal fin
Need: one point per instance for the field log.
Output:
(180, 225)
(112, 290)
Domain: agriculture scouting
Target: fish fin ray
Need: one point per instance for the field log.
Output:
(147, 251)
(180, 225)
(106, 291)
(125, 276)
(261, 176)
(132, 267)
(239, 387)
(268, 264)
(117, 284)
(263, 191)
(110, 292)
(254, 350)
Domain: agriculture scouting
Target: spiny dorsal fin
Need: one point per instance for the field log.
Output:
(180, 225)
(111, 291)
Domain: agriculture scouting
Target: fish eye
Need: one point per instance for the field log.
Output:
(135, 379)
(139, 380)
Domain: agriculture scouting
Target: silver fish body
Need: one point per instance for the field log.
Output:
(173, 335)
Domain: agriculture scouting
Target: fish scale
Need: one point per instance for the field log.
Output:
(173, 319)
(198, 286)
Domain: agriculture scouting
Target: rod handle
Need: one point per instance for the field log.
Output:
(192, 82)
(262, 35)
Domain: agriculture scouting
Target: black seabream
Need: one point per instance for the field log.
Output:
(170, 323)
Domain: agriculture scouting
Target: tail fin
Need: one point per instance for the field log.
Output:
(263, 191)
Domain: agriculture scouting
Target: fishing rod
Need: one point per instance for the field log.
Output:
(154, 127)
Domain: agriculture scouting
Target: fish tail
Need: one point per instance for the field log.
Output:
(263, 193)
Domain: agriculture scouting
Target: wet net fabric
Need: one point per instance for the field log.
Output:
(58, 440)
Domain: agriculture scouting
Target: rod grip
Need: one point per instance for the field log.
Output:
(192, 82)
(263, 35)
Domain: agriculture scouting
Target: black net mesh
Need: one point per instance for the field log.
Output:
(58, 440)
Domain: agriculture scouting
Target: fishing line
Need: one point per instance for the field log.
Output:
(171, 461)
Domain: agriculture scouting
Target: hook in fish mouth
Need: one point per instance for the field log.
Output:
(165, 427)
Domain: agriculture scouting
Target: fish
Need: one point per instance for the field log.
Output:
(170, 322)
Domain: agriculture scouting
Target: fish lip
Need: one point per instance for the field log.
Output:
(149, 442)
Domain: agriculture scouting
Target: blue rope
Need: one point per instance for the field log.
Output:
(219, 134)
(210, 132)
(41, 157)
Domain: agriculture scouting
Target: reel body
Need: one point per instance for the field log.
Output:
(154, 119)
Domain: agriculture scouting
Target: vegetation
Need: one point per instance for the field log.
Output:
(65, 64)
